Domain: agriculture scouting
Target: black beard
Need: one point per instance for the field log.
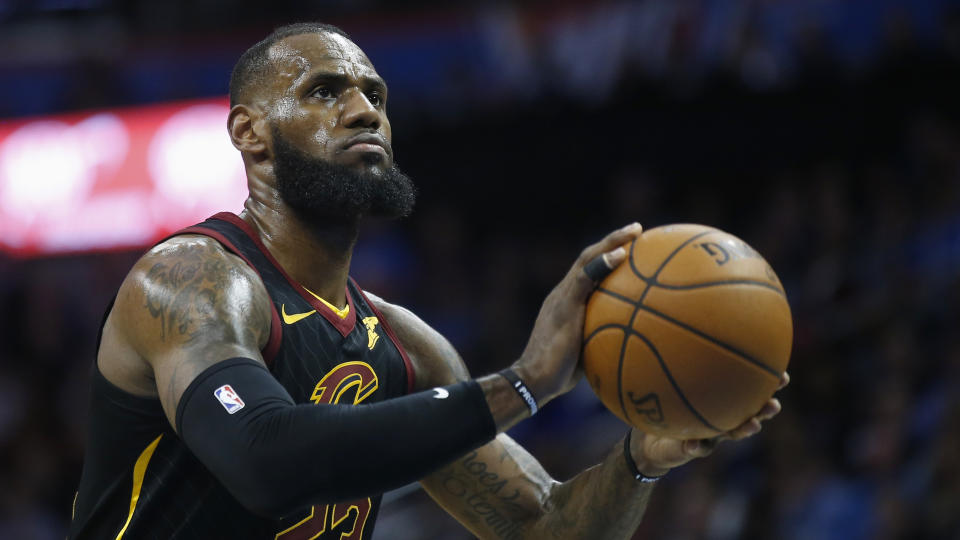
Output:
(323, 193)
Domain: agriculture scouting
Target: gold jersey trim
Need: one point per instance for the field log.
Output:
(342, 313)
(139, 471)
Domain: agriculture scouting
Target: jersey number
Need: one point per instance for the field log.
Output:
(344, 521)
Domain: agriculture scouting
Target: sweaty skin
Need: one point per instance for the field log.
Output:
(188, 304)
(501, 491)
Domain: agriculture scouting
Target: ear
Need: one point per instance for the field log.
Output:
(243, 133)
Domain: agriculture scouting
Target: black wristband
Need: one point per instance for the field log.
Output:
(525, 394)
(632, 465)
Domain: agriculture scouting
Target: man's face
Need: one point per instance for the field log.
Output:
(328, 102)
(332, 158)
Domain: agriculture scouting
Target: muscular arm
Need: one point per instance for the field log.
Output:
(500, 490)
(196, 317)
(189, 322)
(186, 305)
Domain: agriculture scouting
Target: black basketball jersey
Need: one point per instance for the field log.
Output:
(140, 481)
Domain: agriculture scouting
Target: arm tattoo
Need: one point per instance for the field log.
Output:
(177, 285)
(486, 495)
(601, 502)
(187, 305)
(188, 296)
(502, 495)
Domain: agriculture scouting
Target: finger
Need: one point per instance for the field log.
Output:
(600, 267)
(784, 380)
(610, 242)
(769, 410)
(748, 429)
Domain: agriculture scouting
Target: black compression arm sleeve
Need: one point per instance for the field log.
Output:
(275, 456)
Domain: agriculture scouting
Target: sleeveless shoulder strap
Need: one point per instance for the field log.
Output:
(224, 228)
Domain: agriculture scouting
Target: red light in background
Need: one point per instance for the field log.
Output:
(113, 179)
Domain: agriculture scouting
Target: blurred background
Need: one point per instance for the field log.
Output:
(826, 133)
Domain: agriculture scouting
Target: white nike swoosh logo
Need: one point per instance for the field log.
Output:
(441, 393)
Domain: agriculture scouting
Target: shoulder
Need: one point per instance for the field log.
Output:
(435, 360)
(182, 284)
(190, 253)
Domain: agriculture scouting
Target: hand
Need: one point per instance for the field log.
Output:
(656, 455)
(548, 364)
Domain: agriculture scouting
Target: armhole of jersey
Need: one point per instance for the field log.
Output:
(269, 350)
(411, 378)
(103, 322)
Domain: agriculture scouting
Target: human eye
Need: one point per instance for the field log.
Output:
(322, 92)
(376, 98)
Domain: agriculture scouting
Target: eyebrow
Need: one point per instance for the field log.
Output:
(367, 81)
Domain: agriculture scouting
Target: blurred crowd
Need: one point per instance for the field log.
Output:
(847, 182)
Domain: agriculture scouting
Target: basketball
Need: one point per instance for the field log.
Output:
(689, 336)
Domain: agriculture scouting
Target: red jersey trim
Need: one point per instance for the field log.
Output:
(269, 350)
(344, 325)
(411, 376)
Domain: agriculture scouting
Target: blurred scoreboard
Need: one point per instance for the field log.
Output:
(114, 179)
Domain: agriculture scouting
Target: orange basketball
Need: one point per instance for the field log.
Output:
(689, 336)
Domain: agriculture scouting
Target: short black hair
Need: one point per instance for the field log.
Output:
(251, 67)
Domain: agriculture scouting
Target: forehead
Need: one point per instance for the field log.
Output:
(298, 56)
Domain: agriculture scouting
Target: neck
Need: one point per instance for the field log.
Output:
(315, 255)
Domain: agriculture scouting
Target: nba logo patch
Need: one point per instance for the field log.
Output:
(228, 398)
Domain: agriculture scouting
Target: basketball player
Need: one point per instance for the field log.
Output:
(246, 387)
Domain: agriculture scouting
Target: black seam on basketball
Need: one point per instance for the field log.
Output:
(664, 263)
(673, 383)
(618, 296)
(623, 352)
(712, 339)
(633, 267)
(596, 331)
(706, 284)
(633, 316)
(603, 327)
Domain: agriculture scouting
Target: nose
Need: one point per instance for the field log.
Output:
(358, 112)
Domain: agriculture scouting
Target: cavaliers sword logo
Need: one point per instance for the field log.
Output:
(372, 337)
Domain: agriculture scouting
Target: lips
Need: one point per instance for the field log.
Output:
(367, 142)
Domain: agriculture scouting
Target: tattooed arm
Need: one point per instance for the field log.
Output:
(501, 491)
(186, 305)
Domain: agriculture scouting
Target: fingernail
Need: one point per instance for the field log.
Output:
(613, 258)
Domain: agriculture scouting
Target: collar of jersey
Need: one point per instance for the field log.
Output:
(342, 313)
(344, 326)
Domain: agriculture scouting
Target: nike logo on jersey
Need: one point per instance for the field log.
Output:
(290, 319)
(441, 393)
(372, 337)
